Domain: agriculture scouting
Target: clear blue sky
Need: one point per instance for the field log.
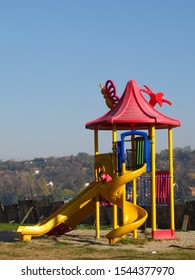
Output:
(54, 54)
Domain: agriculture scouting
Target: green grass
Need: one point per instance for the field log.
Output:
(103, 227)
(8, 226)
(13, 226)
(137, 241)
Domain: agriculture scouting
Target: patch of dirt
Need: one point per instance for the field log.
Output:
(184, 239)
(83, 244)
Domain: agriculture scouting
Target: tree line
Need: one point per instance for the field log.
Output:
(61, 178)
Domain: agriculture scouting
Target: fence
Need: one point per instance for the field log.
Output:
(31, 212)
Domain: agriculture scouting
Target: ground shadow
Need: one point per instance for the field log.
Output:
(8, 236)
(182, 247)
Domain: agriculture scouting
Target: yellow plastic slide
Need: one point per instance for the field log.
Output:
(134, 215)
(83, 205)
(70, 214)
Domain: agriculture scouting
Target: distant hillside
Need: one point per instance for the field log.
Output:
(54, 178)
(63, 177)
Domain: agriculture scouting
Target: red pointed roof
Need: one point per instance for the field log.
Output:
(132, 111)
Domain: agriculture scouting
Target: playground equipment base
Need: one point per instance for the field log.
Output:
(164, 234)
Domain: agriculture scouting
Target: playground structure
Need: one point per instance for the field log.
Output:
(132, 157)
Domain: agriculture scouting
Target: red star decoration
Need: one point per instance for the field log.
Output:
(155, 97)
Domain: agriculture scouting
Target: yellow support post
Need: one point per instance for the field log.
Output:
(153, 179)
(172, 210)
(96, 146)
(97, 212)
(124, 197)
(134, 193)
(134, 202)
(97, 202)
(114, 139)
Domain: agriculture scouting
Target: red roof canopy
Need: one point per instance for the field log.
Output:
(132, 111)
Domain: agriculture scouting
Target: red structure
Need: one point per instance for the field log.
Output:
(133, 111)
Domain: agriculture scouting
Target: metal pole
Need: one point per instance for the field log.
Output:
(172, 210)
(97, 202)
